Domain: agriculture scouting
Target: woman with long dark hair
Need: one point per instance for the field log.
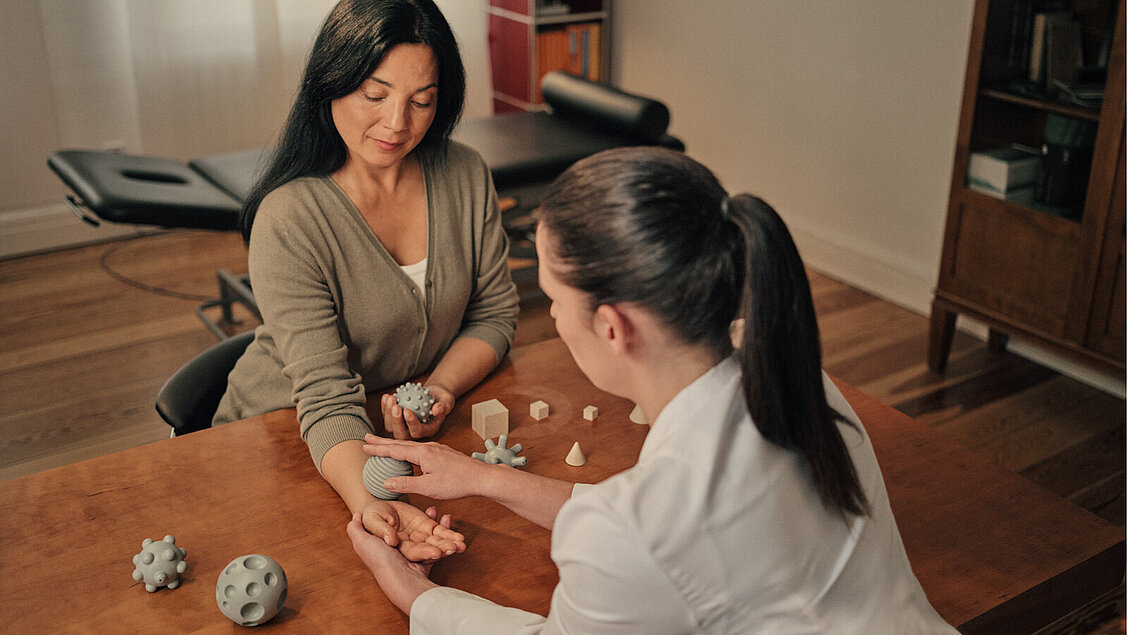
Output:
(376, 252)
(756, 504)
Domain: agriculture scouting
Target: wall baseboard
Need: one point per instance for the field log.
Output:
(50, 228)
(908, 286)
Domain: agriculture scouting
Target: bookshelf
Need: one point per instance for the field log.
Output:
(528, 38)
(1049, 269)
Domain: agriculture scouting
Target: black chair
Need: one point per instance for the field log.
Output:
(189, 398)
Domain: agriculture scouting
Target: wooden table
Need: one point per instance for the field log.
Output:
(991, 549)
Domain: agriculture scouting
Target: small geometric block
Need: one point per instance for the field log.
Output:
(590, 413)
(538, 410)
(490, 419)
(575, 456)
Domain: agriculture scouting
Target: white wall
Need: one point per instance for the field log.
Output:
(842, 115)
(161, 77)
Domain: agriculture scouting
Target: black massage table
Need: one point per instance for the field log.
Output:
(524, 151)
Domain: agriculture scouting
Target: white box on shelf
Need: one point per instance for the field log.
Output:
(1003, 169)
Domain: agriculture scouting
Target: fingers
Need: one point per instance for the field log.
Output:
(361, 537)
(402, 449)
(415, 429)
(448, 536)
(381, 521)
(354, 527)
(420, 552)
(393, 418)
(433, 513)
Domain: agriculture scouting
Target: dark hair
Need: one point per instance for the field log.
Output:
(645, 226)
(353, 41)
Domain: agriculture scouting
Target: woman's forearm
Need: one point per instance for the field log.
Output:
(467, 362)
(343, 467)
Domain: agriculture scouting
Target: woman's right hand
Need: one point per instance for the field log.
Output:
(446, 473)
(402, 423)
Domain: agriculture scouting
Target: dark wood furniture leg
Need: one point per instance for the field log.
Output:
(997, 340)
(942, 327)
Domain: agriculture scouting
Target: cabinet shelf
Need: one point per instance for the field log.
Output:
(526, 44)
(568, 18)
(1050, 275)
(1066, 214)
(1056, 107)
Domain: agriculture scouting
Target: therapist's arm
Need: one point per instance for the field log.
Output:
(402, 581)
(448, 474)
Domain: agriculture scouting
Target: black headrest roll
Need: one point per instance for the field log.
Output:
(609, 109)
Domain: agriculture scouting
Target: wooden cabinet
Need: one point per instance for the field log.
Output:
(1048, 269)
(528, 38)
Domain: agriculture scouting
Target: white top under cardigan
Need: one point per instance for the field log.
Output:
(715, 530)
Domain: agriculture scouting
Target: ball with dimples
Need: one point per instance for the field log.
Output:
(251, 589)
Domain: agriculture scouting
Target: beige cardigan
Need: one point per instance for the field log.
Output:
(340, 317)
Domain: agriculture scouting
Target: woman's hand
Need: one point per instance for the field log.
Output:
(403, 424)
(446, 473)
(417, 534)
(401, 579)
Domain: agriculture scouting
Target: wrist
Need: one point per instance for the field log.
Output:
(431, 382)
(496, 481)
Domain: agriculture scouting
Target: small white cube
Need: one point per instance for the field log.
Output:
(490, 419)
(590, 413)
(538, 410)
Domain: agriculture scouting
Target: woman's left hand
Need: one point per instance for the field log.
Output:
(403, 424)
(420, 536)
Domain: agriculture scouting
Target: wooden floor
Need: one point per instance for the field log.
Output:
(83, 353)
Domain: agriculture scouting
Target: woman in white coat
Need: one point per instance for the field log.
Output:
(756, 504)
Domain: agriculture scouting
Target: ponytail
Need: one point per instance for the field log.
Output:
(781, 355)
(654, 228)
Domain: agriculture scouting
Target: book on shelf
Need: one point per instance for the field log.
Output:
(1045, 23)
(1063, 51)
(1003, 172)
(573, 48)
(1089, 94)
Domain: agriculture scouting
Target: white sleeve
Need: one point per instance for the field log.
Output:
(447, 611)
(601, 558)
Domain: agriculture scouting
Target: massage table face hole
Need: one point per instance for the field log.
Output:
(154, 177)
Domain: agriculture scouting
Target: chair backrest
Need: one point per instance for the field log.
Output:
(189, 398)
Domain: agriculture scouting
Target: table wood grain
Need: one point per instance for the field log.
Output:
(989, 548)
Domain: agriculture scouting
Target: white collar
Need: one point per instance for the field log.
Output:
(712, 393)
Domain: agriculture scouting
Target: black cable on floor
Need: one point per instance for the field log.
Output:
(170, 293)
